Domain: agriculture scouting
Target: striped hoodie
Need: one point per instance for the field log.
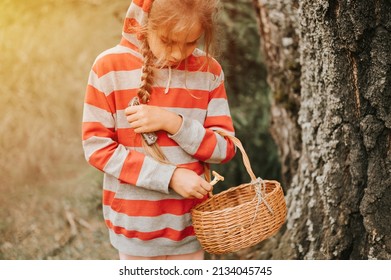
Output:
(144, 216)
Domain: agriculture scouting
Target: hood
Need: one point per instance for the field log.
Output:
(136, 16)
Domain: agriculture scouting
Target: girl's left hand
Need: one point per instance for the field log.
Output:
(147, 118)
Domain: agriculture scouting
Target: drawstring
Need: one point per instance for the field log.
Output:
(169, 80)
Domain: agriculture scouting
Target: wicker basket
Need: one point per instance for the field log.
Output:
(241, 216)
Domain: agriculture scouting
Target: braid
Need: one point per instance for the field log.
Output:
(144, 94)
(145, 89)
(155, 152)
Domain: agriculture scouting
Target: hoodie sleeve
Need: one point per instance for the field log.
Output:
(103, 151)
(201, 140)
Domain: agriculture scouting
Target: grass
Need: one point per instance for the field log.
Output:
(50, 203)
(47, 49)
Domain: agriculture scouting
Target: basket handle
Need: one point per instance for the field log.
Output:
(245, 158)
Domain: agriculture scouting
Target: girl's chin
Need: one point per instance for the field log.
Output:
(166, 63)
(171, 63)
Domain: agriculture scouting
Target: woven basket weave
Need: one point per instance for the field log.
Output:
(241, 216)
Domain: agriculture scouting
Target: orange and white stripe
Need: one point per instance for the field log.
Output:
(144, 216)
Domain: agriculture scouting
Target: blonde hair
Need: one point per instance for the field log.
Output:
(176, 16)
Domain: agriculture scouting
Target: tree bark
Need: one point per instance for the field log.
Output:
(329, 67)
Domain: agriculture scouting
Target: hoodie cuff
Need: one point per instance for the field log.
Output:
(190, 135)
(155, 176)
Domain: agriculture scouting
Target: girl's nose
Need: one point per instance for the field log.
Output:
(176, 54)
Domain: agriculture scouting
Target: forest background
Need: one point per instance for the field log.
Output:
(50, 203)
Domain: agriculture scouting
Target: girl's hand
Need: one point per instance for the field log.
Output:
(188, 184)
(146, 118)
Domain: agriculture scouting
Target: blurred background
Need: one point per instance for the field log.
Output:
(50, 202)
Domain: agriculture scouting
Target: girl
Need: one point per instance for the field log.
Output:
(148, 192)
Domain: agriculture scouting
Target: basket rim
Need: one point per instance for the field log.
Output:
(195, 209)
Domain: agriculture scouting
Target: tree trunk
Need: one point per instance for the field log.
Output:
(329, 67)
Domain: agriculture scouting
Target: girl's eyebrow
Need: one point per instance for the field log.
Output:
(195, 41)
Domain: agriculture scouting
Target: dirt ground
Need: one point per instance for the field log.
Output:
(50, 203)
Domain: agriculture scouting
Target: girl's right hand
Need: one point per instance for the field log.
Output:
(188, 184)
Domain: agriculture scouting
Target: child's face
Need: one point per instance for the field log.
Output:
(171, 48)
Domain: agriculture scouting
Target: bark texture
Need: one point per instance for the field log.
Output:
(329, 66)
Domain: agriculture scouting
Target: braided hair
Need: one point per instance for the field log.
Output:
(144, 92)
(166, 13)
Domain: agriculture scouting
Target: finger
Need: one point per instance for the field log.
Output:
(137, 126)
(131, 119)
(202, 191)
(140, 130)
(198, 195)
(131, 110)
(206, 186)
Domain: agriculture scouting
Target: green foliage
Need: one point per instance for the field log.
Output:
(248, 94)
